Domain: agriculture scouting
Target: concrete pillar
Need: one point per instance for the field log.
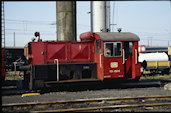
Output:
(66, 20)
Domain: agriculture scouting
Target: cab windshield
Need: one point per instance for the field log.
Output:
(112, 49)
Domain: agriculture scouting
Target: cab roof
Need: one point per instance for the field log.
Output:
(119, 36)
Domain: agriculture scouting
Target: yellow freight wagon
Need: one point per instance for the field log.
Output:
(155, 62)
(163, 66)
(160, 64)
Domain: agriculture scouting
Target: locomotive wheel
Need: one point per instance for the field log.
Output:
(136, 79)
(26, 80)
(38, 84)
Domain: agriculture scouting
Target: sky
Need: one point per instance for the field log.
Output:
(150, 20)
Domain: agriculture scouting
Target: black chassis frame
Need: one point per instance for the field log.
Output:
(39, 74)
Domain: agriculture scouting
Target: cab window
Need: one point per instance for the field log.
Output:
(112, 49)
(128, 47)
(98, 46)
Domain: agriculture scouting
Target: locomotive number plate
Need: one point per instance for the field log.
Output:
(114, 64)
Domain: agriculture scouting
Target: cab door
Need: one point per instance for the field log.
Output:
(131, 66)
(113, 60)
(128, 56)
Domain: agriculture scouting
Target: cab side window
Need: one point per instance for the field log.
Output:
(98, 46)
(128, 47)
(109, 50)
(112, 49)
(118, 49)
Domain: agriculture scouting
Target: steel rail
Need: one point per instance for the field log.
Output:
(85, 100)
(105, 107)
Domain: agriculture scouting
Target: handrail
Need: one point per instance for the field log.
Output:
(123, 56)
(135, 56)
(100, 60)
(57, 68)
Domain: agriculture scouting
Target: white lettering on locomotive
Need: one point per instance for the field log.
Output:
(114, 71)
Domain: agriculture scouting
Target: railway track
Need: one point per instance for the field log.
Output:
(12, 90)
(91, 104)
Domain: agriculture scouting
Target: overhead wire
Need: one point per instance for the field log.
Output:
(15, 20)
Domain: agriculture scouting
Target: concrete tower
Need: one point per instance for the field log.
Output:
(66, 20)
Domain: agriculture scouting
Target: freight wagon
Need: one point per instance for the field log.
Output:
(154, 62)
(11, 55)
(2, 65)
(98, 56)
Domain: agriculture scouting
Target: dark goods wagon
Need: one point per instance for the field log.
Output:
(2, 65)
(98, 56)
(11, 55)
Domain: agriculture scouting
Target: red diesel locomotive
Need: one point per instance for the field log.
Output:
(98, 56)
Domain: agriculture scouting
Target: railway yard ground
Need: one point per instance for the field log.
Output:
(147, 86)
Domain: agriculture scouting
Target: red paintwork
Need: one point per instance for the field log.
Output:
(137, 66)
(2, 66)
(110, 72)
(133, 60)
(56, 51)
(85, 51)
(81, 52)
(100, 68)
(36, 49)
(86, 36)
(70, 51)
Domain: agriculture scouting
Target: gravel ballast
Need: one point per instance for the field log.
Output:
(87, 94)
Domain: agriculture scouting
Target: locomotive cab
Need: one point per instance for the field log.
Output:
(120, 56)
(116, 55)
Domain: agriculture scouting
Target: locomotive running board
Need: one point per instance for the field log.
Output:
(67, 81)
